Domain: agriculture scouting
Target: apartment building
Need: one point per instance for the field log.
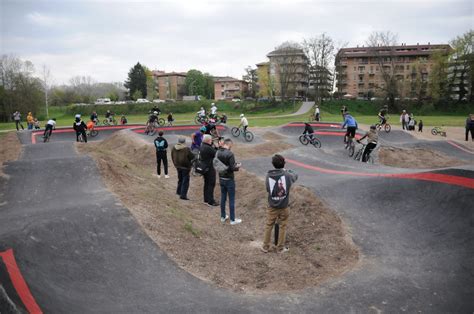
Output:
(170, 85)
(360, 71)
(229, 88)
(285, 74)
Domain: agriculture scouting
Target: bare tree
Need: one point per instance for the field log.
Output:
(382, 44)
(46, 82)
(83, 86)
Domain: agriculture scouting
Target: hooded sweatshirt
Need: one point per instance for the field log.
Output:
(278, 183)
(182, 156)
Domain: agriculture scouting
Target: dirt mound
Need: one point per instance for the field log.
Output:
(229, 256)
(420, 158)
(10, 148)
(272, 136)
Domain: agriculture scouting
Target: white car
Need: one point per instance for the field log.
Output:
(142, 101)
(235, 99)
(158, 101)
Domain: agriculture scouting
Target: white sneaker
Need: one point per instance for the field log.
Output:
(167, 176)
(224, 219)
(159, 176)
(284, 250)
(236, 221)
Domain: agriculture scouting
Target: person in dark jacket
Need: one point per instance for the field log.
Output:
(227, 182)
(161, 145)
(182, 159)
(207, 153)
(470, 127)
(80, 127)
(278, 183)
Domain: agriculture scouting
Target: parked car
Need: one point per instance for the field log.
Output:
(157, 101)
(235, 99)
(142, 101)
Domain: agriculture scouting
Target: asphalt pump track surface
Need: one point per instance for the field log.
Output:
(68, 245)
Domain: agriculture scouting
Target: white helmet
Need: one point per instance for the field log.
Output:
(242, 115)
(155, 112)
(77, 116)
(202, 108)
(213, 104)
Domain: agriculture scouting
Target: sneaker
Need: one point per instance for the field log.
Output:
(236, 221)
(224, 219)
(213, 204)
(284, 250)
(184, 198)
(263, 250)
(158, 175)
(167, 176)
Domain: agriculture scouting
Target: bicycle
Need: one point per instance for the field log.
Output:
(151, 128)
(92, 132)
(360, 152)
(110, 121)
(247, 134)
(200, 119)
(350, 146)
(46, 137)
(386, 126)
(438, 130)
(159, 121)
(305, 139)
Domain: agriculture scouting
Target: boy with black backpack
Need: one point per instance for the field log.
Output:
(278, 183)
(161, 144)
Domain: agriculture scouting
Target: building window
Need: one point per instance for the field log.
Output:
(222, 86)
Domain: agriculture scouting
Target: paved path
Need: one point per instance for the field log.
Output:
(79, 250)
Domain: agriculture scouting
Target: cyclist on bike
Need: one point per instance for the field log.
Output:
(49, 127)
(213, 110)
(243, 122)
(372, 139)
(155, 108)
(109, 116)
(224, 118)
(153, 118)
(201, 113)
(197, 139)
(80, 128)
(308, 129)
(382, 113)
(94, 117)
(351, 127)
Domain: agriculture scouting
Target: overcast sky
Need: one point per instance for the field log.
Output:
(104, 39)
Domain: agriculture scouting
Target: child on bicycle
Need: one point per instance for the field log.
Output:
(244, 122)
(80, 128)
(308, 129)
(382, 113)
(372, 139)
(50, 125)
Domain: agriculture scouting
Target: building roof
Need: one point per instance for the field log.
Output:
(286, 51)
(263, 63)
(227, 79)
(402, 50)
(162, 73)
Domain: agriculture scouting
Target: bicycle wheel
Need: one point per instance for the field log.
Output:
(197, 120)
(351, 149)
(316, 143)
(387, 127)
(161, 121)
(151, 131)
(248, 136)
(304, 139)
(434, 131)
(46, 138)
(235, 131)
(358, 155)
(105, 122)
(94, 133)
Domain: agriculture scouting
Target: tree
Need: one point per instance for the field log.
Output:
(82, 87)
(209, 86)
(385, 57)
(46, 76)
(150, 84)
(320, 53)
(195, 83)
(438, 78)
(251, 78)
(137, 81)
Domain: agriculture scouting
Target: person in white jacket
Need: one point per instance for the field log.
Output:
(404, 119)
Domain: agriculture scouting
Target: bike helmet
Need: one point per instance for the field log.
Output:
(203, 129)
(242, 115)
(155, 112)
(77, 116)
(372, 127)
(213, 104)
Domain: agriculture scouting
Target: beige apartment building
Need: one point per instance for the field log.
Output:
(170, 85)
(286, 74)
(229, 88)
(360, 70)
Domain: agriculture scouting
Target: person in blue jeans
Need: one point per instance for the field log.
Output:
(227, 181)
(182, 159)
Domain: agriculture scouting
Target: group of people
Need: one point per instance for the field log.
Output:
(220, 163)
(409, 123)
(213, 115)
(155, 112)
(31, 122)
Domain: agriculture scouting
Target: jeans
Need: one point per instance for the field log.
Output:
(227, 186)
(209, 185)
(368, 149)
(183, 182)
(161, 156)
(273, 215)
(472, 133)
(49, 128)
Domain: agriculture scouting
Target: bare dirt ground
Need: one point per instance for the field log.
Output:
(419, 158)
(192, 235)
(10, 148)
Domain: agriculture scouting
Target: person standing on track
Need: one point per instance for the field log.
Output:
(17, 119)
(278, 183)
(470, 127)
(30, 121)
(404, 118)
(80, 127)
(207, 154)
(161, 145)
(182, 159)
(351, 127)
